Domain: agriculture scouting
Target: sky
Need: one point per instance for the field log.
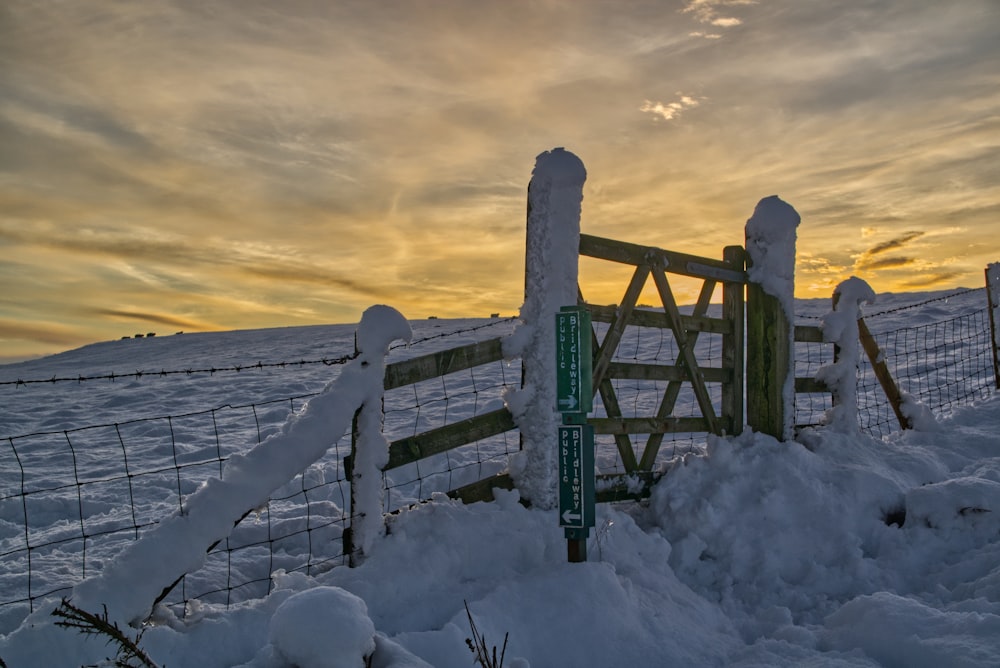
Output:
(235, 164)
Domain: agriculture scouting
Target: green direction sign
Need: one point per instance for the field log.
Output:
(576, 476)
(573, 361)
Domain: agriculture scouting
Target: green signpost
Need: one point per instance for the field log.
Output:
(574, 399)
(573, 361)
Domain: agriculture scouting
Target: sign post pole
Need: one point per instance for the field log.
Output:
(574, 399)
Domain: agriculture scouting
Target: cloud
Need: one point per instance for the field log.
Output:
(42, 332)
(160, 318)
(893, 244)
(707, 11)
(243, 165)
(868, 259)
(930, 280)
(886, 263)
(670, 110)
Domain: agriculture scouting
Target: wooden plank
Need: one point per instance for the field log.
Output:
(804, 385)
(482, 490)
(669, 399)
(658, 319)
(808, 334)
(651, 425)
(610, 401)
(602, 360)
(413, 448)
(768, 362)
(663, 372)
(733, 312)
(614, 411)
(614, 334)
(885, 378)
(407, 372)
(677, 263)
(686, 348)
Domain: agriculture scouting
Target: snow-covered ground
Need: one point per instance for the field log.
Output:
(835, 550)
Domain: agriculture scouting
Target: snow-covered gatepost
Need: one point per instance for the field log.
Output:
(993, 294)
(129, 585)
(770, 239)
(840, 327)
(555, 196)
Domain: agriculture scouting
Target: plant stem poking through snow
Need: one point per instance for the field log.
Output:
(89, 623)
(477, 644)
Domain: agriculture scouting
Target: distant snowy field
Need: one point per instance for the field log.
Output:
(749, 553)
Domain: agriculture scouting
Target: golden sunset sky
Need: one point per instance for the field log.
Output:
(232, 164)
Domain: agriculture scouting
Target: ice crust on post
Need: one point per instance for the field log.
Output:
(840, 327)
(177, 545)
(770, 239)
(555, 197)
(771, 246)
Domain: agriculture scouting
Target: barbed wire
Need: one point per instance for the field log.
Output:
(905, 307)
(212, 370)
(923, 303)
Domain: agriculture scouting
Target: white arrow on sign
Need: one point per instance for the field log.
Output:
(569, 402)
(569, 517)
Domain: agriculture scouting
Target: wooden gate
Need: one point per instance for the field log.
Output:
(657, 264)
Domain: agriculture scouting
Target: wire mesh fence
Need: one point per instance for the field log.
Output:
(70, 499)
(73, 499)
(940, 356)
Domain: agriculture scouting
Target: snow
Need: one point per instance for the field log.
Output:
(379, 327)
(321, 627)
(833, 550)
(770, 234)
(555, 197)
(840, 327)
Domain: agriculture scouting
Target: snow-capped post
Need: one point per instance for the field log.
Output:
(840, 327)
(137, 578)
(770, 376)
(993, 295)
(555, 196)
(369, 446)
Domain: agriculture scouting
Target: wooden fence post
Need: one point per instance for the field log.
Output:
(993, 295)
(733, 309)
(770, 235)
(555, 195)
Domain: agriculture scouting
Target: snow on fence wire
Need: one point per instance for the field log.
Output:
(79, 496)
(940, 356)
